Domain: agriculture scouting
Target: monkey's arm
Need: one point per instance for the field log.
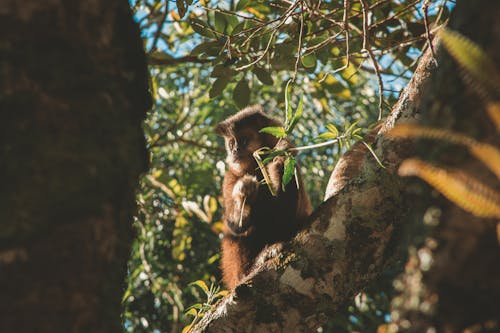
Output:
(239, 195)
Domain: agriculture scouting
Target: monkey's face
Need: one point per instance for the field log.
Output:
(242, 137)
(240, 147)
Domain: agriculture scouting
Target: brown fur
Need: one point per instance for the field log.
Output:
(253, 218)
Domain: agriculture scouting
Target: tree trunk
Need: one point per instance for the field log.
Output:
(354, 234)
(73, 93)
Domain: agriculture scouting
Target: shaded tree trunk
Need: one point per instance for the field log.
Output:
(73, 93)
(355, 234)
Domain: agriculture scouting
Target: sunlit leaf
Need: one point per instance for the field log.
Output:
(277, 131)
(201, 284)
(288, 171)
(309, 61)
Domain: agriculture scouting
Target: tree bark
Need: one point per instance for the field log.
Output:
(73, 94)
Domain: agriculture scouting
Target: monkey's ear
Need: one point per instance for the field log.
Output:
(222, 129)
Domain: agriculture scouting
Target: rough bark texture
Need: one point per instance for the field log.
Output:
(73, 93)
(452, 279)
(352, 237)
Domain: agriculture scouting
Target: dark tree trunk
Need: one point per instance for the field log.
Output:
(73, 93)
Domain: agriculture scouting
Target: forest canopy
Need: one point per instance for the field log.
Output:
(346, 61)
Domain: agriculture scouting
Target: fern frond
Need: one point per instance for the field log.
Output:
(462, 189)
(471, 58)
(494, 113)
(487, 154)
(413, 131)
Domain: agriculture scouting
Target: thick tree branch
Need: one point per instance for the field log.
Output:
(349, 242)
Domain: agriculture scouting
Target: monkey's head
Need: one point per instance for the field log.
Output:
(242, 137)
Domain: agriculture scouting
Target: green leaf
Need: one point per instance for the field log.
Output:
(333, 130)
(241, 93)
(278, 132)
(263, 75)
(350, 128)
(288, 105)
(326, 136)
(192, 312)
(309, 61)
(201, 284)
(297, 115)
(210, 48)
(220, 22)
(238, 28)
(222, 71)
(218, 87)
(288, 172)
(232, 22)
(201, 28)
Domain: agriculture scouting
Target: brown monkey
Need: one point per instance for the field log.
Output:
(253, 218)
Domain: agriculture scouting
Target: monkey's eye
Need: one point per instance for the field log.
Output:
(244, 142)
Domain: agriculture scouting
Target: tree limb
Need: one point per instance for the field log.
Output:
(349, 242)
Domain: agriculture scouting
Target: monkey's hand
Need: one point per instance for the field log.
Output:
(244, 194)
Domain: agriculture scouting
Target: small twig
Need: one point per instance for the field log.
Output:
(367, 48)
(346, 29)
(425, 7)
(175, 61)
(317, 145)
(160, 28)
(287, 14)
(299, 49)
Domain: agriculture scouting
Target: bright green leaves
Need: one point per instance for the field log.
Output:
(288, 170)
(292, 120)
(309, 61)
(331, 134)
(276, 131)
(280, 132)
(198, 310)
